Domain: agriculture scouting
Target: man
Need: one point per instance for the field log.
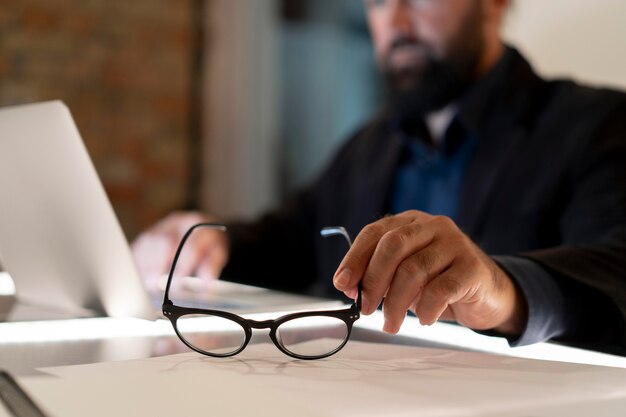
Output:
(474, 155)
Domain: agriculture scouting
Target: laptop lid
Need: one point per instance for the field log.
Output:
(59, 237)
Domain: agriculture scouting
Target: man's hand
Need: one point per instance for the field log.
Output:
(425, 264)
(205, 254)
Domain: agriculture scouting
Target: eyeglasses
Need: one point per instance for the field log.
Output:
(304, 335)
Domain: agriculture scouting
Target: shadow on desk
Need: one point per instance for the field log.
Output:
(14, 310)
(373, 336)
(7, 303)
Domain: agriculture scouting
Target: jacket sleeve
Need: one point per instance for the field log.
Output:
(277, 250)
(590, 266)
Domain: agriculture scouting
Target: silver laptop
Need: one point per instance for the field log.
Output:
(59, 237)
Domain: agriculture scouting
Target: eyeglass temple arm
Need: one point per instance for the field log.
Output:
(216, 226)
(339, 230)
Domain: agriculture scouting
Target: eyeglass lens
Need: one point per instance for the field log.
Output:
(312, 336)
(211, 334)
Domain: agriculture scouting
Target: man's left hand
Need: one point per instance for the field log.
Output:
(426, 264)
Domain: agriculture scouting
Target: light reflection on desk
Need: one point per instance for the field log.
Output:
(26, 346)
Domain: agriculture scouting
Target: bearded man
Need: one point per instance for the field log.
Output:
(480, 194)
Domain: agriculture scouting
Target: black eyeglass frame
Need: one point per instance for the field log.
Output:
(173, 312)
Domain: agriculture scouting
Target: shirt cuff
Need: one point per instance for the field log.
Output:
(547, 316)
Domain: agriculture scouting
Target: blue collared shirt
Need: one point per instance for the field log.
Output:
(430, 177)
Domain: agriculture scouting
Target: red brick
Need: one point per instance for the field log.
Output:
(40, 19)
(123, 69)
(82, 24)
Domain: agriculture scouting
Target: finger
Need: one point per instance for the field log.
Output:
(193, 253)
(218, 257)
(411, 276)
(206, 254)
(213, 262)
(353, 265)
(392, 250)
(352, 293)
(153, 255)
(176, 224)
(441, 292)
(448, 315)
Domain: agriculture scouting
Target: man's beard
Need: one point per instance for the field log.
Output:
(417, 90)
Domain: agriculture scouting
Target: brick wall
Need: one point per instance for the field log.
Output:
(125, 70)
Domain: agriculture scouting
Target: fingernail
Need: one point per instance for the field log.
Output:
(343, 279)
(388, 328)
(352, 293)
(365, 306)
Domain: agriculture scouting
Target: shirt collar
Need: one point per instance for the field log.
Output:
(438, 122)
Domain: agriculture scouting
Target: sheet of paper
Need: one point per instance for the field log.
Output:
(4, 412)
(372, 379)
(190, 393)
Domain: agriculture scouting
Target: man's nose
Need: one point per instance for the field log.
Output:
(400, 17)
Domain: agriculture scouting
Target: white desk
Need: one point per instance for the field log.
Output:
(26, 346)
(29, 345)
(265, 376)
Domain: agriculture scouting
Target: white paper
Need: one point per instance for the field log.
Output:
(191, 393)
(4, 412)
(366, 379)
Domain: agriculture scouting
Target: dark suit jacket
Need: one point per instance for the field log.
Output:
(547, 181)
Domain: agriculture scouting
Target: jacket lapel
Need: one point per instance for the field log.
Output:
(484, 175)
(496, 115)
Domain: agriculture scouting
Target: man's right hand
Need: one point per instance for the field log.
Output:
(154, 249)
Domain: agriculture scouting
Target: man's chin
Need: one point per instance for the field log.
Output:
(404, 81)
(413, 100)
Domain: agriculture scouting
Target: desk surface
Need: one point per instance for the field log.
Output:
(379, 379)
(27, 346)
(32, 343)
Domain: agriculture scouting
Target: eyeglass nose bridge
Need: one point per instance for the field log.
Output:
(265, 324)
